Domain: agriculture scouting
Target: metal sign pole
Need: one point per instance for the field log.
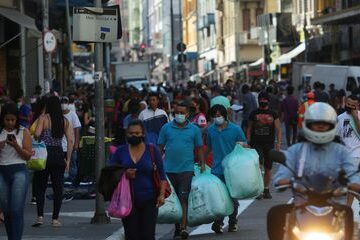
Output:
(68, 24)
(100, 216)
(48, 60)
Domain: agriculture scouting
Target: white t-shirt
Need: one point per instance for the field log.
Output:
(347, 135)
(8, 154)
(74, 123)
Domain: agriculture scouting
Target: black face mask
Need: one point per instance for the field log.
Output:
(263, 104)
(135, 140)
(192, 109)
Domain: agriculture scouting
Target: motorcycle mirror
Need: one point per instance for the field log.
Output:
(277, 156)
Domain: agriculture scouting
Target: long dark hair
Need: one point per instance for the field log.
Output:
(38, 107)
(53, 108)
(9, 108)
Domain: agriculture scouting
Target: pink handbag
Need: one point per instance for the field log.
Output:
(121, 203)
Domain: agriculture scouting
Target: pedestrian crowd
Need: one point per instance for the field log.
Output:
(174, 128)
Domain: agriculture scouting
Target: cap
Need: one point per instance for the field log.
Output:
(236, 107)
(221, 100)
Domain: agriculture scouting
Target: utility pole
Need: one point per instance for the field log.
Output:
(23, 51)
(182, 77)
(100, 216)
(173, 74)
(71, 65)
(48, 57)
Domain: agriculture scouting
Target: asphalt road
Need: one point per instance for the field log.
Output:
(76, 216)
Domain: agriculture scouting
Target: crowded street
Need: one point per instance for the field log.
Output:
(179, 119)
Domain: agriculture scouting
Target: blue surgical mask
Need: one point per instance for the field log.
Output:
(180, 118)
(219, 120)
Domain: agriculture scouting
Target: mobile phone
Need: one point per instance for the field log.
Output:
(10, 137)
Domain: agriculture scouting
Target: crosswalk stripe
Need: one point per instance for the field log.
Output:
(118, 235)
(206, 228)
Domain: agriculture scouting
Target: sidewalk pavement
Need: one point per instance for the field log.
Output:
(75, 217)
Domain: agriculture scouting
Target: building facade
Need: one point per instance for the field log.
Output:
(235, 46)
(20, 42)
(207, 32)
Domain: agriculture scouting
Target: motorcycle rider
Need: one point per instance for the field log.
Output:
(322, 155)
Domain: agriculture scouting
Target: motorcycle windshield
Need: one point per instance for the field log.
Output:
(319, 184)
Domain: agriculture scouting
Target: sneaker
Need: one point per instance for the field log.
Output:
(56, 223)
(260, 197)
(233, 227)
(177, 234)
(266, 194)
(67, 197)
(217, 228)
(38, 222)
(33, 201)
(184, 234)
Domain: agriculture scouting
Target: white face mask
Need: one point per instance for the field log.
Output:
(180, 118)
(64, 107)
(71, 107)
(219, 120)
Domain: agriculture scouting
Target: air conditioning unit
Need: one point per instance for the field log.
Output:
(262, 38)
(243, 37)
(272, 34)
(255, 32)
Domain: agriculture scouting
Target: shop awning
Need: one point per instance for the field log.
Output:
(257, 63)
(286, 58)
(256, 73)
(19, 18)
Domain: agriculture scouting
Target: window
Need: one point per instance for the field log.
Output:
(246, 19)
(351, 84)
(258, 12)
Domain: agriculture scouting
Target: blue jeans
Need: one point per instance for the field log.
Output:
(14, 181)
(233, 216)
(73, 170)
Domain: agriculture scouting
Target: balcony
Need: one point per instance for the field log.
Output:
(345, 16)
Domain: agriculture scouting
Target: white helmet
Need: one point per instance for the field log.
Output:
(320, 112)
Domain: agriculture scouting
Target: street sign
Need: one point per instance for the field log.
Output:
(49, 41)
(96, 24)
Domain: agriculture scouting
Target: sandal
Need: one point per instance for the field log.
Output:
(56, 223)
(38, 222)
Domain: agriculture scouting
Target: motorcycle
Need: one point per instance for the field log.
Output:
(315, 215)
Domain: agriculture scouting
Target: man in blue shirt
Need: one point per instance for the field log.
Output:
(222, 138)
(180, 138)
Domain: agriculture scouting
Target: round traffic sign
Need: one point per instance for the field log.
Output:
(49, 41)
